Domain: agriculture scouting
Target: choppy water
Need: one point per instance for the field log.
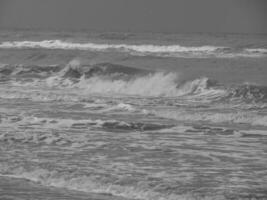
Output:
(120, 116)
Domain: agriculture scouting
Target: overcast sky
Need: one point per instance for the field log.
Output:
(242, 16)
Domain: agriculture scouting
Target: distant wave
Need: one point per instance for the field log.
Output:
(58, 44)
(139, 49)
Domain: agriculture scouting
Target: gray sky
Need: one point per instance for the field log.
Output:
(243, 16)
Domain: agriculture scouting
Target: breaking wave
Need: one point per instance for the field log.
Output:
(113, 79)
(154, 85)
(137, 49)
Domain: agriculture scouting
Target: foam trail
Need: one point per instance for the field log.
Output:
(241, 117)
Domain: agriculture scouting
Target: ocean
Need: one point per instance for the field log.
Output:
(146, 116)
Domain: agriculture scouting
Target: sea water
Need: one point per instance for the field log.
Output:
(132, 116)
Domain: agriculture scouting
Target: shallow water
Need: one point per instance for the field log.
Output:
(95, 130)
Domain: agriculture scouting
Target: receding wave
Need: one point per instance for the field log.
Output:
(92, 183)
(139, 49)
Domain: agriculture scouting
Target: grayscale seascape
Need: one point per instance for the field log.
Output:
(133, 100)
(128, 116)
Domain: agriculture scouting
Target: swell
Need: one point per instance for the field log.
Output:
(74, 69)
(141, 50)
(36, 71)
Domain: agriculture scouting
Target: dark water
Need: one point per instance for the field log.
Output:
(131, 116)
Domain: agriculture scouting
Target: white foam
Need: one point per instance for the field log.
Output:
(137, 49)
(122, 107)
(59, 44)
(95, 105)
(152, 85)
(125, 106)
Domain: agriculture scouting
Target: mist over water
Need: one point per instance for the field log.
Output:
(112, 118)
